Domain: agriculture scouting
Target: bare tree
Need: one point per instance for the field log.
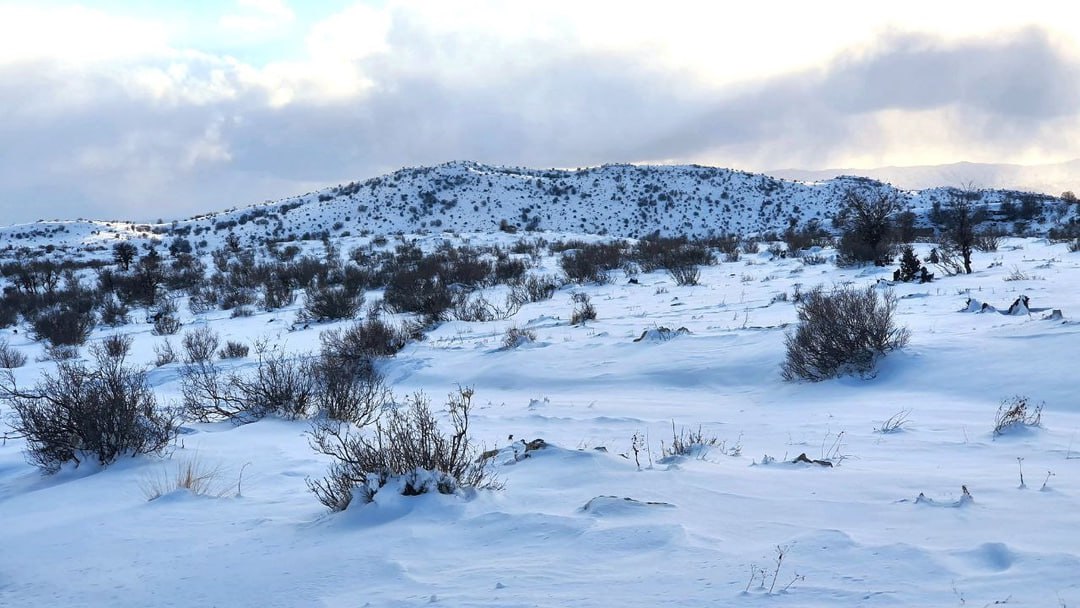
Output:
(868, 227)
(961, 217)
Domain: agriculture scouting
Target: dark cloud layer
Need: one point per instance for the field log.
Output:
(82, 144)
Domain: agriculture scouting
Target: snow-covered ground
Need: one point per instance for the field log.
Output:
(852, 534)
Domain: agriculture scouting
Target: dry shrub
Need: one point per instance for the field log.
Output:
(1015, 413)
(406, 450)
(81, 413)
(842, 331)
(10, 358)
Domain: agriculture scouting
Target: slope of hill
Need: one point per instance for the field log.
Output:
(1048, 179)
(617, 200)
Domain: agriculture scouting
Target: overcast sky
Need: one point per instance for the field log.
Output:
(140, 110)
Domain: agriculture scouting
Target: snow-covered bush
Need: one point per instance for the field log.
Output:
(842, 331)
(1016, 412)
(88, 413)
(516, 336)
(406, 450)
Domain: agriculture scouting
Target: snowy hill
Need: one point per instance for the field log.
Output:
(616, 200)
(1050, 179)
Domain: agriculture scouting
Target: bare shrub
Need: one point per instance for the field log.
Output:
(988, 240)
(113, 312)
(276, 292)
(10, 358)
(234, 350)
(406, 450)
(164, 353)
(372, 337)
(534, 289)
(280, 386)
(63, 325)
(241, 312)
(685, 274)
(117, 346)
(583, 309)
(200, 344)
(164, 318)
(516, 336)
(208, 394)
(1016, 412)
(419, 290)
(84, 413)
(810, 235)
(947, 259)
(331, 302)
(476, 308)
(655, 252)
(591, 263)
(509, 270)
(842, 331)
(60, 352)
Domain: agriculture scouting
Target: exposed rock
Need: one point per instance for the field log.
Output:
(535, 444)
(661, 334)
(804, 458)
(1020, 306)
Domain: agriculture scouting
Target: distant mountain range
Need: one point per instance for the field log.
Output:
(1047, 179)
(616, 200)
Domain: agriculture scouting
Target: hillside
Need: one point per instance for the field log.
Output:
(616, 200)
(1053, 178)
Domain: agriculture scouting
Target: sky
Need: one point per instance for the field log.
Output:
(144, 110)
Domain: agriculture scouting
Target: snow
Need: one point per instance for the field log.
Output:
(464, 197)
(887, 525)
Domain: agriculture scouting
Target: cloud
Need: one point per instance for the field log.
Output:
(257, 16)
(969, 97)
(153, 130)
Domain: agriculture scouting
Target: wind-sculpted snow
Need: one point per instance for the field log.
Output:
(601, 513)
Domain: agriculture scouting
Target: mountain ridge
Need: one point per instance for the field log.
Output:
(1048, 178)
(619, 200)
